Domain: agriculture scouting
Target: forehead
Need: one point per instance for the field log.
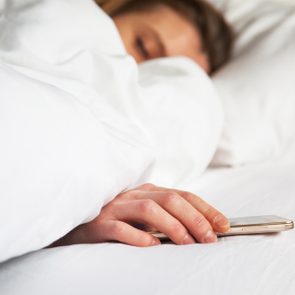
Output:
(178, 34)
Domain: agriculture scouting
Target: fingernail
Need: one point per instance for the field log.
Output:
(220, 221)
(210, 237)
(156, 243)
(188, 240)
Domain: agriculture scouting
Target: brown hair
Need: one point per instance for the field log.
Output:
(217, 34)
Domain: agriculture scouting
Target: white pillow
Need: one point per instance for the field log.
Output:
(257, 87)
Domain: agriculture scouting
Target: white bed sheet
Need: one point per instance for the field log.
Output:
(236, 265)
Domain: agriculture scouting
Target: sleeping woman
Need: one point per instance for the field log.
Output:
(153, 29)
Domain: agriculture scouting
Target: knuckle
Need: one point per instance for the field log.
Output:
(178, 230)
(147, 207)
(192, 198)
(117, 230)
(210, 213)
(148, 186)
(122, 196)
(178, 233)
(199, 221)
(217, 216)
(171, 200)
(186, 195)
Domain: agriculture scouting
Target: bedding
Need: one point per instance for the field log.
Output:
(185, 120)
(76, 126)
(59, 163)
(67, 73)
(256, 265)
(257, 87)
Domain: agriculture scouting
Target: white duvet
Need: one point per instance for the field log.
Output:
(59, 131)
(246, 265)
(79, 124)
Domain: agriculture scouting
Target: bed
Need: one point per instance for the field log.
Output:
(235, 265)
(250, 162)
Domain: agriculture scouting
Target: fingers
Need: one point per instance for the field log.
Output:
(114, 230)
(182, 216)
(149, 212)
(107, 231)
(195, 222)
(217, 220)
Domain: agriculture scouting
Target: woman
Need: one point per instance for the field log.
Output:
(163, 28)
(152, 29)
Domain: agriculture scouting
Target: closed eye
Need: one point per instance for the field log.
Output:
(142, 49)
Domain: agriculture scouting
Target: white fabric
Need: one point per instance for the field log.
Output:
(61, 157)
(257, 87)
(76, 128)
(256, 265)
(184, 117)
(59, 163)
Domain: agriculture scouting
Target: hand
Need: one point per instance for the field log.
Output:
(182, 216)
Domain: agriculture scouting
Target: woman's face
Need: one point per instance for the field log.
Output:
(160, 32)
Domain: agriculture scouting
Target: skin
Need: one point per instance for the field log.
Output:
(184, 217)
(160, 32)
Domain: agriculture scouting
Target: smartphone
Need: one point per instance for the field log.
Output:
(249, 226)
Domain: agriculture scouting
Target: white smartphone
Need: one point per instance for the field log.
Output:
(249, 226)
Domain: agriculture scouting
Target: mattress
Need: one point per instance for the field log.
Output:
(258, 264)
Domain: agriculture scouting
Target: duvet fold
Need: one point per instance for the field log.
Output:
(79, 123)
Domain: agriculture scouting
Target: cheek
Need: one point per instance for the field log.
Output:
(128, 37)
(203, 62)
